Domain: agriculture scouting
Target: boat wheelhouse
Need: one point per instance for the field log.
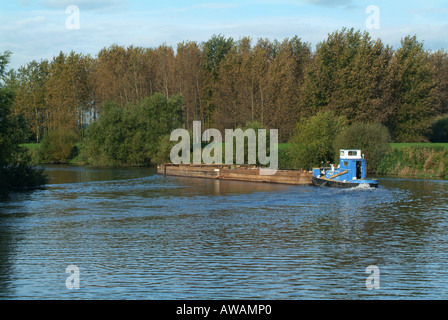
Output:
(351, 172)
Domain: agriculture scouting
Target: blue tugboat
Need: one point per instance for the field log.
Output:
(350, 173)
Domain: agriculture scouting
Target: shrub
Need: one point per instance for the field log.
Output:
(58, 146)
(312, 141)
(439, 130)
(372, 138)
(164, 146)
(130, 135)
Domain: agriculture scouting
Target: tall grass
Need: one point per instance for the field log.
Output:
(423, 161)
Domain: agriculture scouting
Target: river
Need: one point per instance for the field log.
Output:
(134, 234)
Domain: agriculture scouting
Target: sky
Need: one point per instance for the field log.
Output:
(40, 29)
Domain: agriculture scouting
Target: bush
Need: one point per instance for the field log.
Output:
(372, 138)
(312, 141)
(130, 135)
(439, 130)
(58, 146)
(164, 147)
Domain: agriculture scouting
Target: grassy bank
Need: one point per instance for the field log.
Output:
(34, 150)
(416, 160)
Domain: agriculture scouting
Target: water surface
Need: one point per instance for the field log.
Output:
(137, 235)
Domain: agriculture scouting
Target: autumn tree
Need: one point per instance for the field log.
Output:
(189, 79)
(31, 94)
(233, 89)
(69, 91)
(124, 75)
(282, 92)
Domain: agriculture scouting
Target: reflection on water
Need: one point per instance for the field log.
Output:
(137, 235)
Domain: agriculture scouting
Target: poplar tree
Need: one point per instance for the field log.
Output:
(416, 92)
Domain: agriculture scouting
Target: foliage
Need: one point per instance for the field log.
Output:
(419, 161)
(418, 144)
(312, 142)
(439, 129)
(131, 135)
(14, 170)
(372, 138)
(226, 83)
(58, 146)
(351, 75)
(415, 91)
(253, 125)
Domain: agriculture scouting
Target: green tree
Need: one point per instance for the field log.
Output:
(14, 170)
(372, 138)
(439, 63)
(213, 52)
(416, 93)
(312, 140)
(131, 135)
(351, 74)
(439, 130)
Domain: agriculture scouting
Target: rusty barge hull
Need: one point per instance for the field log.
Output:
(237, 173)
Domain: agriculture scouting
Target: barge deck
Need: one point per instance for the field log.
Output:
(248, 173)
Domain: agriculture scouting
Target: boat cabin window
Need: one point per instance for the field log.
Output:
(342, 153)
(353, 153)
(345, 163)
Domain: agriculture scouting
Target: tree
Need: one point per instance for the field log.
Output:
(214, 51)
(312, 140)
(14, 171)
(124, 75)
(284, 79)
(351, 74)
(372, 138)
(69, 91)
(233, 88)
(189, 79)
(130, 135)
(416, 92)
(31, 96)
(439, 130)
(439, 63)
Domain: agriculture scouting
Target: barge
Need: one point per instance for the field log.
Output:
(350, 173)
(249, 173)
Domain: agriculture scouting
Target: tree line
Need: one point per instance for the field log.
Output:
(226, 83)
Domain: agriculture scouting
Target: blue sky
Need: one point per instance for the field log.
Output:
(36, 29)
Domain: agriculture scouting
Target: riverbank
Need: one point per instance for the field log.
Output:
(420, 160)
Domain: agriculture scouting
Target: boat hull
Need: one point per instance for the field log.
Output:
(340, 184)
